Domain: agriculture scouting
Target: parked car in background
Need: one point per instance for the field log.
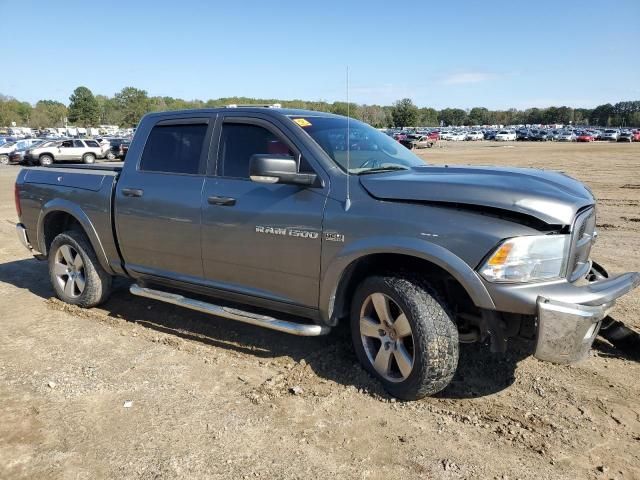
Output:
(17, 156)
(86, 151)
(417, 141)
(636, 135)
(490, 135)
(585, 137)
(625, 136)
(118, 148)
(567, 137)
(523, 134)
(8, 148)
(610, 134)
(457, 136)
(475, 135)
(552, 135)
(538, 136)
(506, 136)
(434, 135)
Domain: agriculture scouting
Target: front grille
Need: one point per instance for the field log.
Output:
(582, 238)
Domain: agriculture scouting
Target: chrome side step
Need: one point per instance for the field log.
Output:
(301, 329)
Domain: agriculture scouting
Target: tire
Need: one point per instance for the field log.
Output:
(88, 158)
(4, 159)
(80, 282)
(421, 362)
(46, 160)
(110, 156)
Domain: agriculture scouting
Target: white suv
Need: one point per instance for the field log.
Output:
(86, 151)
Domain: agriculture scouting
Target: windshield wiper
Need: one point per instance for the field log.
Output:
(382, 169)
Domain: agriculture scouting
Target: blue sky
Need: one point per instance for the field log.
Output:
(497, 54)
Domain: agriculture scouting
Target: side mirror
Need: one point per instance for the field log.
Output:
(270, 168)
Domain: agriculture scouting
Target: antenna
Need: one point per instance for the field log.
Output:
(347, 202)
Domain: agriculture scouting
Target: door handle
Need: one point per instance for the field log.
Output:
(132, 192)
(223, 201)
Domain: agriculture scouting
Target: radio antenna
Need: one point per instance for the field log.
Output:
(347, 202)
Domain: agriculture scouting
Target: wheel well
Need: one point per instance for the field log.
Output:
(49, 154)
(449, 289)
(56, 223)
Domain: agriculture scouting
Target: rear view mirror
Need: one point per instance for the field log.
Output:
(270, 168)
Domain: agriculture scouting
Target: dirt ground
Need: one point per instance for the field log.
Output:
(210, 398)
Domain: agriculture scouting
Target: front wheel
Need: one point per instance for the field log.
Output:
(4, 159)
(404, 335)
(76, 275)
(110, 156)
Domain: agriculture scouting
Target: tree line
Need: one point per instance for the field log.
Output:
(126, 107)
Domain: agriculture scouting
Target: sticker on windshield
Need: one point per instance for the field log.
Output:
(302, 122)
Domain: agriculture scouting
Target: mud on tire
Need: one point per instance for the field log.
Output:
(96, 282)
(434, 333)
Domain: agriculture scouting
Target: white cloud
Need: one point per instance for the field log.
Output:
(465, 78)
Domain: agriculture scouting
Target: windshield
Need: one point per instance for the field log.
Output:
(369, 148)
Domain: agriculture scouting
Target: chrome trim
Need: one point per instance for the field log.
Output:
(566, 331)
(582, 238)
(300, 329)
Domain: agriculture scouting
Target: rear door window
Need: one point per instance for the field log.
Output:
(78, 144)
(174, 149)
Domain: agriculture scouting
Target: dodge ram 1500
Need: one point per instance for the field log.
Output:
(296, 220)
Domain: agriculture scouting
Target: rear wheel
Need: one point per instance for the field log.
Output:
(76, 275)
(404, 336)
(4, 159)
(88, 158)
(46, 160)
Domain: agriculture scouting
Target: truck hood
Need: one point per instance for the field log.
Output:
(551, 197)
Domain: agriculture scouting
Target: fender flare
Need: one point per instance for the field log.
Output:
(340, 265)
(62, 205)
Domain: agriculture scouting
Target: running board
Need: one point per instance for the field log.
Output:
(301, 329)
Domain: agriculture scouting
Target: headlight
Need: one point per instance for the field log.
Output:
(527, 259)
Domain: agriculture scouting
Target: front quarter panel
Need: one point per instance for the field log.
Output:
(455, 240)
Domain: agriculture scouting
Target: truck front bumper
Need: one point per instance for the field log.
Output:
(566, 330)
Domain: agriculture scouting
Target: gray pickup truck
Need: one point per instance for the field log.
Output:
(296, 220)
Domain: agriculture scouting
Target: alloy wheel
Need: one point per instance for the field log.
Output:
(387, 337)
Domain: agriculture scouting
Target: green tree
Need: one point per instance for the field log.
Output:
(83, 107)
(48, 113)
(428, 117)
(404, 113)
(478, 116)
(453, 116)
(133, 103)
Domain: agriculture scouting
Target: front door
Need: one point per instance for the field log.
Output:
(65, 150)
(260, 239)
(158, 214)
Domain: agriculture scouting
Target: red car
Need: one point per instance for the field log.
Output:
(435, 135)
(635, 136)
(585, 137)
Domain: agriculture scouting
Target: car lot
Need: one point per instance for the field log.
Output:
(211, 398)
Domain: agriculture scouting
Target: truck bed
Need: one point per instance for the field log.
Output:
(84, 192)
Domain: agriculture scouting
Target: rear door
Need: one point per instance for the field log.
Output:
(260, 239)
(158, 214)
